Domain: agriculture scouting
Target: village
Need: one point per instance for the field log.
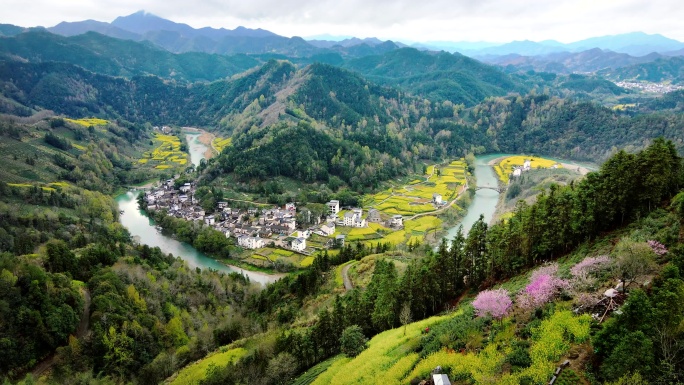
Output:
(275, 227)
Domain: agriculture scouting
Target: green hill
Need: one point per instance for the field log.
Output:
(669, 69)
(438, 76)
(115, 57)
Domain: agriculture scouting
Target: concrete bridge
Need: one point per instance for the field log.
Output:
(497, 189)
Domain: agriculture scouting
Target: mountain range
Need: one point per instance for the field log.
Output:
(182, 52)
(634, 44)
(179, 37)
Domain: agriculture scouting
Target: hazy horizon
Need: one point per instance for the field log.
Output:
(493, 21)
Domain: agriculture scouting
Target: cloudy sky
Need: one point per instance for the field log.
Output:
(404, 20)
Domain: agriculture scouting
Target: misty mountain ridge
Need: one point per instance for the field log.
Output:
(591, 60)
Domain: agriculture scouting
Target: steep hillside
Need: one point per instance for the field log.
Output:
(438, 76)
(569, 129)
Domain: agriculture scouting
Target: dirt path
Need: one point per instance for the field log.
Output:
(345, 277)
(81, 331)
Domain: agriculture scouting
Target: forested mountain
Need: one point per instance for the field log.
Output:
(181, 38)
(438, 76)
(577, 130)
(116, 57)
(569, 62)
(660, 70)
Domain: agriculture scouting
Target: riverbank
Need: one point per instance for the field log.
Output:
(204, 138)
(142, 227)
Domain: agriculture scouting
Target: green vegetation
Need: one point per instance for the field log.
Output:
(311, 133)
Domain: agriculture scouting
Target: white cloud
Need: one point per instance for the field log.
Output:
(490, 20)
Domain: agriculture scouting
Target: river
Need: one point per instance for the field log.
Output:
(140, 225)
(485, 200)
(196, 148)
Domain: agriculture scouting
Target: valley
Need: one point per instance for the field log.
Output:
(184, 205)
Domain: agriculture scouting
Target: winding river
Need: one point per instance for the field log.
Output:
(142, 227)
(485, 200)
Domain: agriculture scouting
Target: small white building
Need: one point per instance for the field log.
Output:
(355, 218)
(333, 207)
(441, 379)
(185, 188)
(517, 172)
(304, 233)
(527, 165)
(209, 220)
(290, 207)
(327, 229)
(437, 199)
(250, 242)
(396, 221)
(299, 244)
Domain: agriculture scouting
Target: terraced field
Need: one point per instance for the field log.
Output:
(415, 198)
(167, 153)
(220, 143)
(87, 122)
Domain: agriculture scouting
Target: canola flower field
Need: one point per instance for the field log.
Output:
(167, 154)
(505, 166)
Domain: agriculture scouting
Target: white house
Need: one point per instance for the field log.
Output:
(250, 242)
(228, 234)
(299, 244)
(327, 229)
(304, 233)
(517, 172)
(209, 220)
(333, 207)
(527, 165)
(290, 207)
(397, 221)
(354, 218)
(437, 199)
(185, 188)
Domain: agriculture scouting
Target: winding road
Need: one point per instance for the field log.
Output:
(345, 277)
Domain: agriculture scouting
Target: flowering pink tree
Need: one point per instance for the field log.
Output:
(543, 287)
(657, 247)
(584, 271)
(590, 265)
(495, 303)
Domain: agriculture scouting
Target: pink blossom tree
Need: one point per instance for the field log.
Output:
(543, 287)
(657, 247)
(495, 303)
(583, 273)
